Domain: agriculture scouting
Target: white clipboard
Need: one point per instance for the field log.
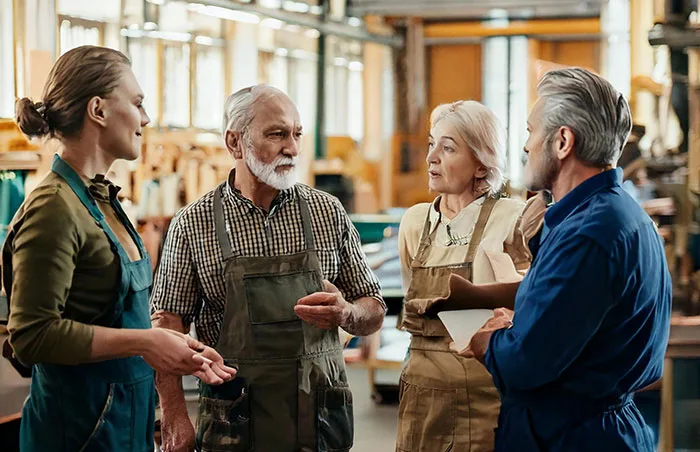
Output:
(464, 323)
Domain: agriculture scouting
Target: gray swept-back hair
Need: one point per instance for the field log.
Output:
(238, 111)
(483, 134)
(596, 112)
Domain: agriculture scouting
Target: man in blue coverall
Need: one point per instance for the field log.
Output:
(592, 316)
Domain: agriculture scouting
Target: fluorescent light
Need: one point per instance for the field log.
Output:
(167, 35)
(312, 33)
(170, 35)
(354, 22)
(498, 13)
(272, 23)
(304, 55)
(224, 13)
(317, 10)
(356, 66)
(296, 7)
(497, 18)
(273, 4)
(204, 40)
(150, 26)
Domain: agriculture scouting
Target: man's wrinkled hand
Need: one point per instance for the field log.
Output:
(177, 432)
(326, 310)
(168, 320)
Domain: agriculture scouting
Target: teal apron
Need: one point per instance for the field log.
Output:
(291, 392)
(102, 406)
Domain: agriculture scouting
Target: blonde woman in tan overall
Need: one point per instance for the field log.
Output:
(449, 402)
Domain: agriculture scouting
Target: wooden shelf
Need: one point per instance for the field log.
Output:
(20, 160)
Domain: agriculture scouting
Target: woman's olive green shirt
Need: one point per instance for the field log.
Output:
(61, 271)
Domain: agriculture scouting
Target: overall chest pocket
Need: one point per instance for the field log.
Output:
(277, 330)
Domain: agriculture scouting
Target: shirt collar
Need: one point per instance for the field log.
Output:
(435, 216)
(101, 188)
(237, 197)
(561, 209)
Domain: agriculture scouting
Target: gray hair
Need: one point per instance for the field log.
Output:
(238, 111)
(483, 133)
(592, 108)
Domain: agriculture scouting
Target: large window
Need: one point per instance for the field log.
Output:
(7, 61)
(294, 72)
(79, 32)
(356, 113)
(302, 89)
(344, 89)
(143, 53)
(176, 86)
(505, 90)
(336, 97)
(209, 93)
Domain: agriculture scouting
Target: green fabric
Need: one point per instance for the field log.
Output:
(11, 197)
(65, 276)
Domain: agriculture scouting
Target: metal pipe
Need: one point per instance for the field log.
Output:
(320, 136)
(321, 24)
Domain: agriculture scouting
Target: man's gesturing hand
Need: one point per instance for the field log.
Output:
(327, 309)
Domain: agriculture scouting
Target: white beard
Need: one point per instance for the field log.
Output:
(266, 171)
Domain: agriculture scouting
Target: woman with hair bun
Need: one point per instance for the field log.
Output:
(77, 274)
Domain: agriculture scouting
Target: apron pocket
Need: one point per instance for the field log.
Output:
(224, 425)
(127, 419)
(265, 304)
(426, 418)
(335, 421)
(99, 437)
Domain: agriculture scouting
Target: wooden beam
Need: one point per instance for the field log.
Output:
(521, 27)
(666, 424)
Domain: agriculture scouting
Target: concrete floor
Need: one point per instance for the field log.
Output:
(375, 425)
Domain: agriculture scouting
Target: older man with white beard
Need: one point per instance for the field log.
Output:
(267, 269)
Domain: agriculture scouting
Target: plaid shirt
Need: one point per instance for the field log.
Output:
(190, 280)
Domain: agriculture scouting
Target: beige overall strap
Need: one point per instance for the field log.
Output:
(484, 214)
(425, 241)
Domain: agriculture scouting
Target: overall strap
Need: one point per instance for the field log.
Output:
(220, 223)
(309, 241)
(425, 240)
(484, 214)
(60, 167)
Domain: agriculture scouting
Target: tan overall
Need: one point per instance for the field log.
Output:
(447, 403)
(291, 391)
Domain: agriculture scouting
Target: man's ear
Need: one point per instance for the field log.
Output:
(564, 142)
(234, 144)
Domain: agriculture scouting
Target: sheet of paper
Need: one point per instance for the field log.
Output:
(463, 324)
